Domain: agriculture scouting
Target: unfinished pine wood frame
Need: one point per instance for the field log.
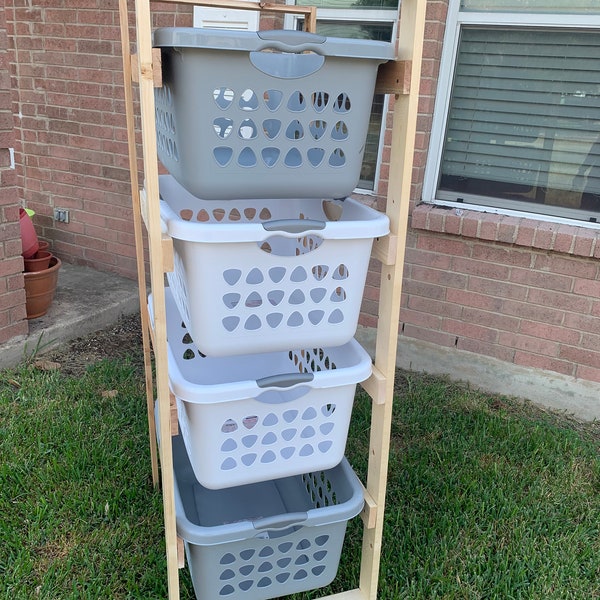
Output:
(400, 78)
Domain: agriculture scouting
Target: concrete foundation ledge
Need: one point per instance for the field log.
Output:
(575, 397)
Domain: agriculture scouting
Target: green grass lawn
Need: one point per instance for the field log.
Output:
(487, 497)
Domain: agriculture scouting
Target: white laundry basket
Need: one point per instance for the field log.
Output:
(244, 114)
(256, 417)
(264, 540)
(262, 275)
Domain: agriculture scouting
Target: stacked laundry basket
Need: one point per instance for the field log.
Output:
(263, 135)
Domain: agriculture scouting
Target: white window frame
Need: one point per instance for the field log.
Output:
(360, 15)
(456, 19)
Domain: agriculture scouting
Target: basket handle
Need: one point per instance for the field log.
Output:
(294, 226)
(284, 380)
(280, 521)
(288, 40)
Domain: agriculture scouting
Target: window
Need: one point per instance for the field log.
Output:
(517, 118)
(362, 19)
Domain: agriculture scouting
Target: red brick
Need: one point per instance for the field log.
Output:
(580, 356)
(536, 361)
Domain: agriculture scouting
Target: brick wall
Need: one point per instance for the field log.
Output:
(12, 293)
(70, 119)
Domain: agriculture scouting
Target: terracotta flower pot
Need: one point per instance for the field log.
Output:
(40, 287)
(39, 262)
(43, 245)
(29, 239)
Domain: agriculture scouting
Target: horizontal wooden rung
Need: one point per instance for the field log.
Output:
(393, 77)
(369, 511)
(166, 240)
(375, 386)
(385, 249)
(180, 553)
(153, 71)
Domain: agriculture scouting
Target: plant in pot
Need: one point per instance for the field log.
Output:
(41, 269)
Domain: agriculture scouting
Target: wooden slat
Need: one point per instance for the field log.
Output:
(174, 420)
(180, 553)
(369, 511)
(156, 68)
(394, 77)
(385, 249)
(166, 239)
(376, 386)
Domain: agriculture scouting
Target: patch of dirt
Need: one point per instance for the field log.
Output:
(123, 339)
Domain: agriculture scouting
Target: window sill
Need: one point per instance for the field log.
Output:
(507, 229)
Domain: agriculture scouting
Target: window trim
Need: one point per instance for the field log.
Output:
(455, 20)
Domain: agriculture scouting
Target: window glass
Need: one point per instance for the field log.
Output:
(523, 123)
(352, 4)
(533, 6)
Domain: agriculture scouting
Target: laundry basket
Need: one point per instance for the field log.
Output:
(260, 276)
(245, 114)
(267, 539)
(251, 418)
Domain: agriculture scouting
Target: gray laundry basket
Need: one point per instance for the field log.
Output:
(263, 114)
(267, 539)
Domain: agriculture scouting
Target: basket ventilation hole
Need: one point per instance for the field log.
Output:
(341, 272)
(320, 101)
(297, 297)
(270, 156)
(287, 453)
(248, 459)
(298, 274)
(188, 354)
(268, 439)
(282, 577)
(309, 414)
(339, 131)
(342, 103)
(285, 547)
(229, 426)
(321, 540)
(317, 294)
(268, 457)
(187, 339)
(318, 570)
(306, 450)
(250, 213)
(227, 574)
(271, 128)
(328, 409)
(276, 274)
(247, 130)
(248, 100)
(247, 554)
(227, 559)
(272, 99)
(264, 582)
(275, 297)
(250, 421)
(288, 434)
(316, 316)
(294, 131)
(249, 440)
(289, 416)
(295, 319)
(247, 158)
(307, 432)
(246, 585)
(265, 566)
(301, 574)
(337, 316)
(319, 272)
(293, 158)
(231, 300)
(203, 216)
(317, 129)
(338, 295)
(274, 319)
(296, 102)
(253, 300)
(223, 97)
(223, 155)
(235, 215)
(337, 158)
(232, 276)
(228, 464)
(270, 420)
(245, 570)
(325, 446)
(223, 127)
(253, 323)
(282, 563)
(226, 590)
(229, 445)
(302, 560)
(231, 323)
(255, 276)
(315, 156)
(265, 214)
(326, 428)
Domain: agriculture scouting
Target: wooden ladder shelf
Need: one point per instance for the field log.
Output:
(400, 78)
